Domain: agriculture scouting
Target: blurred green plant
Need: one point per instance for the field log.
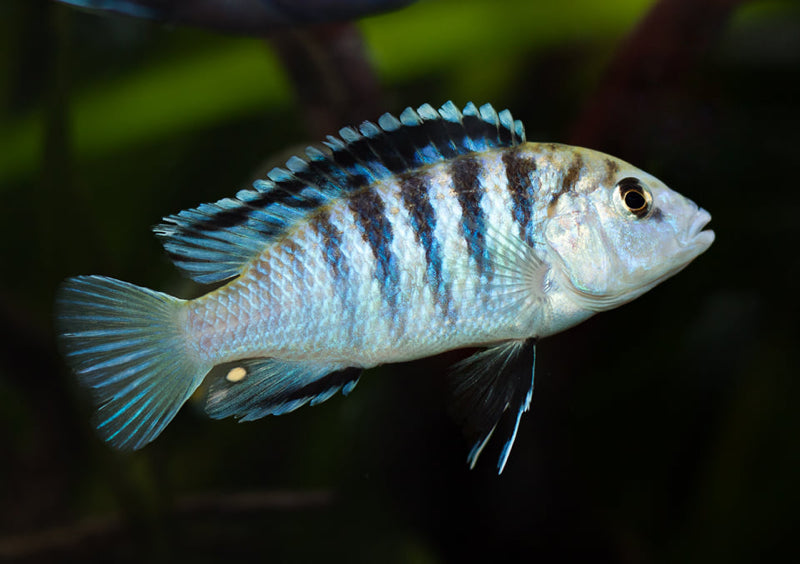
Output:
(687, 454)
(232, 77)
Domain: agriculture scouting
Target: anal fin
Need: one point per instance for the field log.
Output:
(488, 386)
(255, 388)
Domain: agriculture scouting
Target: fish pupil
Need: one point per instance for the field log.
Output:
(634, 196)
(634, 200)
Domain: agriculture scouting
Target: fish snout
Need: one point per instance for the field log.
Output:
(696, 235)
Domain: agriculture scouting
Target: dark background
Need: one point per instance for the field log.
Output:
(664, 431)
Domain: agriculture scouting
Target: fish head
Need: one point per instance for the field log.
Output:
(620, 233)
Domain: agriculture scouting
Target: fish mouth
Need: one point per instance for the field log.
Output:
(699, 238)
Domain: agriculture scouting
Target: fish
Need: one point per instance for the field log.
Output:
(249, 17)
(397, 240)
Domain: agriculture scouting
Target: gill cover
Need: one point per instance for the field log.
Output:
(586, 259)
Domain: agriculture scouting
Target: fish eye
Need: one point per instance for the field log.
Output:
(634, 196)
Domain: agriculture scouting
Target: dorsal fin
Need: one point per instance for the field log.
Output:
(214, 242)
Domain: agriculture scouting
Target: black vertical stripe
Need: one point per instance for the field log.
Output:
(414, 192)
(612, 169)
(570, 178)
(465, 172)
(376, 231)
(332, 251)
(519, 169)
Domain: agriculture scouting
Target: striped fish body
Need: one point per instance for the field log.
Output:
(403, 269)
(437, 231)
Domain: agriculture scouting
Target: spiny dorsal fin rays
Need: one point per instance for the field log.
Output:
(215, 241)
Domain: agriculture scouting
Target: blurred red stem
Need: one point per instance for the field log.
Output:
(331, 75)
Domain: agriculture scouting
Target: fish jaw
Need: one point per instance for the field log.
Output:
(699, 239)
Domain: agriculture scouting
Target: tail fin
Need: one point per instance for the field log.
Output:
(126, 344)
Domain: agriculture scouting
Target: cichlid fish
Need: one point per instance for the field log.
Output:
(252, 17)
(435, 231)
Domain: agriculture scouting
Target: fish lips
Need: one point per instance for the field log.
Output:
(699, 239)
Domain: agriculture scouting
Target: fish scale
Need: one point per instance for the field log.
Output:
(381, 329)
(437, 230)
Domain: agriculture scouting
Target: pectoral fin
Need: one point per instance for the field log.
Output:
(490, 385)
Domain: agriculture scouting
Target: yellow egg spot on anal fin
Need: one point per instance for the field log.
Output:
(236, 374)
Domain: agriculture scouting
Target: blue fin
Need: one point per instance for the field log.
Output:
(125, 343)
(488, 385)
(255, 388)
(214, 242)
(133, 8)
(249, 17)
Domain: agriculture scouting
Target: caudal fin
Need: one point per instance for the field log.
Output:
(126, 343)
